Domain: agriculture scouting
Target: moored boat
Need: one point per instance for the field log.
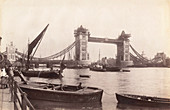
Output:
(41, 73)
(97, 68)
(142, 100)
(76, 66)
(84, 76)
(113, 68)
(59, 93)
(105, 68)
(124, 70)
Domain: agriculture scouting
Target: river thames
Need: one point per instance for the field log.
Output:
(139, 81)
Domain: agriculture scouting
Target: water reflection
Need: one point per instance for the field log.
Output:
(135, 107)
(72, 76)
(46, 105)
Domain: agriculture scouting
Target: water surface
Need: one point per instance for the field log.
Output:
(140, 81)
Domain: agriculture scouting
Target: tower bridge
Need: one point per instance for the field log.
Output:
(82, 36)
(81, 55)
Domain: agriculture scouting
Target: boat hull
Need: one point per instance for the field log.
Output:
(142, 100)
(84, 76)
(42, 74)
(87, 95)
(77, 67)
(97, 69)
(125, 70)
(112, 69)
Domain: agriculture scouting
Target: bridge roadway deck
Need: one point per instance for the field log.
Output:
(45, 61)
(104, 40)
(5, 100)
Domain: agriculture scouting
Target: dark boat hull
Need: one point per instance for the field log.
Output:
(112, 69)
(77, 67)
(42, 74)
(97, 69)
(92, 95)
(142, 100)
(84, 76)
(125, 70)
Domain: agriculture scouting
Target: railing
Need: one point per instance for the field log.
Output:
(17, 95)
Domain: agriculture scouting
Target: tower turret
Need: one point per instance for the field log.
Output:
(123, 54)
(81, 37)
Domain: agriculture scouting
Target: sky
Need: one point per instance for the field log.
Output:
(148, 22)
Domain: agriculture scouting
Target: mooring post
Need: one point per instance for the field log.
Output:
(11, 82)
(15, 97)
(11, 88)
(24, 103)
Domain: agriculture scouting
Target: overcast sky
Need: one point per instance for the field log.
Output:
(148, 22)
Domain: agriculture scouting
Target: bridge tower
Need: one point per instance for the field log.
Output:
(123, 54)
(81, 37)
(10, 49)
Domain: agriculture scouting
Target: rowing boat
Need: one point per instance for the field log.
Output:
(142, 100)
(58, 93)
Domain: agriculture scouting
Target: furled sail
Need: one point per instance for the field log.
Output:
(35, 42)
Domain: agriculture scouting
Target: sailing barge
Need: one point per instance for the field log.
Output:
(40, 73)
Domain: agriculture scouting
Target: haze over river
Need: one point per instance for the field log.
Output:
(141, 81)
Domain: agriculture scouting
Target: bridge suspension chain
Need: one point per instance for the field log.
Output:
(63, 52)
(136, 59)
(143, 59)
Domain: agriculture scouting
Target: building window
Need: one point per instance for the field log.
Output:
(83, 37)
(126, 57)
(121, 57)
(126, 51)
(126, 46)
(83, 56)
(83, 42)
(83, 48)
